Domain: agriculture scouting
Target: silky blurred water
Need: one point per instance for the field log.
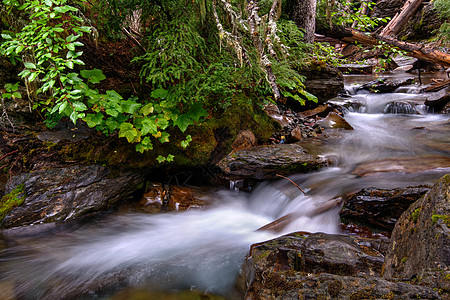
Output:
(203, 249)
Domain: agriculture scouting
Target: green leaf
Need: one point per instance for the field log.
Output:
(128, 131)
(147, 109)
(169, 158)
(164, 138)
(112, 124)
(48, 2)
(17, 95)
(197, 111)
(183, 121)
(29, 65)
(130, 106)
(93, 120)
(79, 106)
(148, 125)
(160, 93)
(93, 76)
(144, 145)
(6, 36)
(161, 159)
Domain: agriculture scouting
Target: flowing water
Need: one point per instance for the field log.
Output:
(203, 249)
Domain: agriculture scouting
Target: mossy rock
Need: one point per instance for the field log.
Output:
(211, 140)
(12, 200)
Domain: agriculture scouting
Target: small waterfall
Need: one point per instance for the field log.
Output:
(400, 107)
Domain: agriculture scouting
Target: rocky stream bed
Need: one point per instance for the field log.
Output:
(371, 220)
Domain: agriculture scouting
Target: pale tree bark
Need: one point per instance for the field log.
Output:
(303, 13)
(400, 19)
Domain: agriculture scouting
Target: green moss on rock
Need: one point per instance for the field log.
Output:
(12, 200)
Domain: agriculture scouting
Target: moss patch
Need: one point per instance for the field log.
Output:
(445, 218)
(12, 200)
(415, 215)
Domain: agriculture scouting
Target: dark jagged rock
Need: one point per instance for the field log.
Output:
(264, 162)
(420, 244)
(63, 194)
(320, 266)
(380, 207)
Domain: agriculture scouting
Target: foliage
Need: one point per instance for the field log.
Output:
(443, 7)
(188, 68)
(347, 13)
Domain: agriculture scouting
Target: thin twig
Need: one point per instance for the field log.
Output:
(1, 158)
(292, 183)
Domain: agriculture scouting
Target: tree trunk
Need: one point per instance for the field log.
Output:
(303, 13)
(400, 19)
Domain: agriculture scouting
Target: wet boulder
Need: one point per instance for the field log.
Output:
(380, 208)
(438, 100)
(334, 121)
(420, 244)
(382, 85)
(320, 266)
(63, 194)
(264, 162)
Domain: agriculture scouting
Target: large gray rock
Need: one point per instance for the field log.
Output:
(420, 244)
(380, 208)
(321, 266)
(63, 194)
(264, 162)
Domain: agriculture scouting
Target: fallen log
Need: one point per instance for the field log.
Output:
(438, 86)
(417, 51)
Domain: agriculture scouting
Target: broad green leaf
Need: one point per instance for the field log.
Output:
(79, 106)
(130, 107)
(128, 131)
(93, 120)
(160, 93)
(112, 124)
(197, 111)
(161, 159)
(148, 125)
(147, 109)
(183, 121)
(93, 76)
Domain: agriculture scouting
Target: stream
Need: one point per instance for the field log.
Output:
(204, 249)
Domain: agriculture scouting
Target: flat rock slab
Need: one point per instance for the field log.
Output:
(264, 162)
